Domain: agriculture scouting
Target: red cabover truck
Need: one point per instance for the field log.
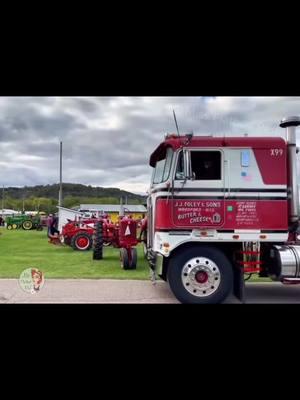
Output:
(221, 209)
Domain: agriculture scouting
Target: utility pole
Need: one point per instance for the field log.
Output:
(23, 201)
(2, 199)
(60, 177)
(121, 213)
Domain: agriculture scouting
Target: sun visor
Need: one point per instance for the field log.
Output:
(158, 154)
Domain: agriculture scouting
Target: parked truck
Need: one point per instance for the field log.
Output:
(221, 209)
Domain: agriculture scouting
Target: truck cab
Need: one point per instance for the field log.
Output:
(219, 208)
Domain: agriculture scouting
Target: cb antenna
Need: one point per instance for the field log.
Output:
(176, 123)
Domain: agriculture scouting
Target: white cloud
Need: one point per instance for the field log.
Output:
(108, 140)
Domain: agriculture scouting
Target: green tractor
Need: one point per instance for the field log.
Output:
(27, 222)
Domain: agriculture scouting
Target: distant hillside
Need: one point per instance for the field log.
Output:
(71, 190)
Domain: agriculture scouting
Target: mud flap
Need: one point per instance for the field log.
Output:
(151, 257)
(239, 284)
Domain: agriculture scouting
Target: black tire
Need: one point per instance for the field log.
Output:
(124, 258)
(81, 237)
(224, 280)
(39, 228)
(27, 225)
(133, 258)
(98, 242)
(9, 227)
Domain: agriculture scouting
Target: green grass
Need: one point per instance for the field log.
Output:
(24, 249)
(255, 278)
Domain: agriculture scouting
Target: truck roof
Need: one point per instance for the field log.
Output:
(176, 142)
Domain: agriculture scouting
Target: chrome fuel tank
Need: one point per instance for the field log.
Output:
(287, 259)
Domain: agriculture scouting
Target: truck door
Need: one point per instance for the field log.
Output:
(199, 189)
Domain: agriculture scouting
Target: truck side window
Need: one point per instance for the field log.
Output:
(180, 167)
(206, 165)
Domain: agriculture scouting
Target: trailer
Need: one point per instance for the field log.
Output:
(221, 209)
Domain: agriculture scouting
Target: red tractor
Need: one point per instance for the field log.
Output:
(122, 235)
(78, 234)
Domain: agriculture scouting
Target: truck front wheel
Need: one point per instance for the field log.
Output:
(200, 275)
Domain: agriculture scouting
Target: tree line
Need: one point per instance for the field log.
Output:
(45, 198)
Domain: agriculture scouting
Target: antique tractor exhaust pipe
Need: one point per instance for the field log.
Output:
(290, 123)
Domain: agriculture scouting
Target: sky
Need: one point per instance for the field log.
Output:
(107, 141)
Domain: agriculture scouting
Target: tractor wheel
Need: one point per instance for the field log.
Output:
(14, 226)
(133, 258)
(98, 242)
(9, 227)
(125, 263)
(81, 241)
(124, 258)
(39, 227)
(27, 225)
(200, 275)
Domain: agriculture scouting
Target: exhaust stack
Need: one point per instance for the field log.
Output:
(290, 123)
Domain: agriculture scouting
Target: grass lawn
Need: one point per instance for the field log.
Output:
(24, 249)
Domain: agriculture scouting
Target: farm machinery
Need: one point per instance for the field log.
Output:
(86, 233)
(26, 222)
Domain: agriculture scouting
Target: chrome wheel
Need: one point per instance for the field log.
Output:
(200, 276)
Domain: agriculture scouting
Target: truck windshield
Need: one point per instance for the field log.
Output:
(163, 167)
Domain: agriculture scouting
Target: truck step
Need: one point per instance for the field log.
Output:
(291, 281)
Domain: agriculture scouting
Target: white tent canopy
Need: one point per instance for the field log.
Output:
(66, 213)
(5, 212)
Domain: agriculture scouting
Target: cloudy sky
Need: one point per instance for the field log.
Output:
(107, 140)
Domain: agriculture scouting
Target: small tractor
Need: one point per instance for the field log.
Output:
(26, 222)
(221, 209)
(79, 234)
(122, 235)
